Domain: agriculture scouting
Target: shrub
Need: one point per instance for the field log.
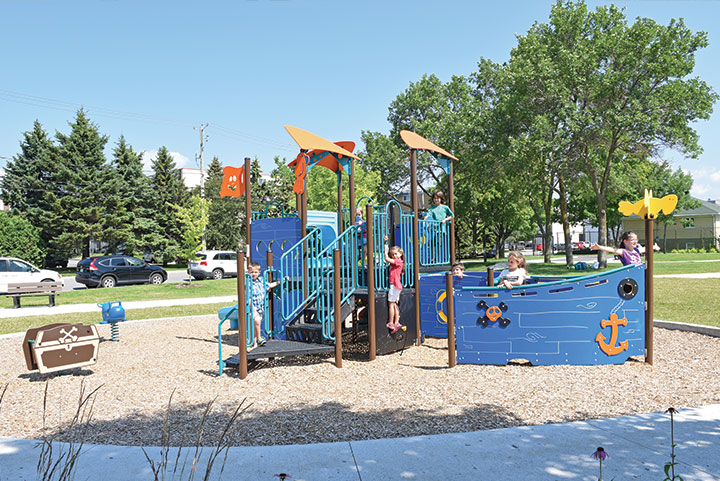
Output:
(19, 238)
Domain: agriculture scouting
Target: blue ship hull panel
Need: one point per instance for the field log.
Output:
(596, 319)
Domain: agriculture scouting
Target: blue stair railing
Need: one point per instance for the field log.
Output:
(347, 244)
(299, 265)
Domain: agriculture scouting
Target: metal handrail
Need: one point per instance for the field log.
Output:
(347, 244)
(434, 242)
(221, 363)
(298, 264)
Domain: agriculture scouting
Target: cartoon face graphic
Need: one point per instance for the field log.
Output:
(233, 184)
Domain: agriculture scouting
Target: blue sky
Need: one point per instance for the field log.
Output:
(153, 70)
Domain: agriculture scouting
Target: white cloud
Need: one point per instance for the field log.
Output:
(706, 183)
(149, 155)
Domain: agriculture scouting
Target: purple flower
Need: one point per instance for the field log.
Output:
(600, 454)
(283, 476)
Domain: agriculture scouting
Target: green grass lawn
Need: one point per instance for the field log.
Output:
(693, 301)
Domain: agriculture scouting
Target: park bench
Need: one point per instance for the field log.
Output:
(31, 289)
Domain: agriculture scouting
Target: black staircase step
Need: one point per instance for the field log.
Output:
(276, 348)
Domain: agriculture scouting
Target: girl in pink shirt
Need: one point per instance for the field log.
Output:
(396, 258)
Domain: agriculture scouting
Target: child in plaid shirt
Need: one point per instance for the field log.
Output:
(259, 289)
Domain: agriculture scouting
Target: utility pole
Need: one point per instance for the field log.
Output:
(203, 139)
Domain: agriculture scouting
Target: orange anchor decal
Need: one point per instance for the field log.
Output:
(612, 349)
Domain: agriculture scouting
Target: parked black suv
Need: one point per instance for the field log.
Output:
(109, 271)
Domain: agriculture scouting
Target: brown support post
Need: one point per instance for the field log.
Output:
(355, 320)
(242, 327)
(490, 276)
(415, 242)
(248, 210)
(450, 300)
(351, 220)
(271, 298)
(351, 188)
(451, 201)
(303, 212)
(338, 314)
(649, 251)
(371, 281)
(339, 202)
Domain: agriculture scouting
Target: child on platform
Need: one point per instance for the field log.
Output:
(515, 274)
(259, 289)
(362, 233)
(396, 258)
(458, 270)
(629, 250)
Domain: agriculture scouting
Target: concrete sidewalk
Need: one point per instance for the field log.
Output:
(67, 308)
(638, 446)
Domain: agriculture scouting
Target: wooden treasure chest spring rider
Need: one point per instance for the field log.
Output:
(61, 346)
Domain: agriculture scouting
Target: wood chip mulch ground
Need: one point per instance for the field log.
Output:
(309, 400)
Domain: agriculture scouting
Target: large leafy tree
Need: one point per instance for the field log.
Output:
(193, 219)
(628, 90)
(82, 179)
(384, 157)
(168, 190)
(322, 187)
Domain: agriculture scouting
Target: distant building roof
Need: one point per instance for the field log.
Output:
(707, 207)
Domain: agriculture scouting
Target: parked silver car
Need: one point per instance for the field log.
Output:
(213, 264)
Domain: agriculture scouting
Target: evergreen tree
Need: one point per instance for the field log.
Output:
(81, 177)
(26, 175)
(168, 188)
(280, 185)
(27, 186)
(136, 227)
(224, 225)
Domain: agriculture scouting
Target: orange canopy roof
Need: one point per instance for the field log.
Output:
(329, 161)
(415, 141)
(310, 141)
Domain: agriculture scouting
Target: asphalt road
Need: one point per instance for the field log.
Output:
(173, 276)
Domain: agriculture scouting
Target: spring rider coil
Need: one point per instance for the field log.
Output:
(113, 313)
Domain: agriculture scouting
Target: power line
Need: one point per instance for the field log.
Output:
(45, 102)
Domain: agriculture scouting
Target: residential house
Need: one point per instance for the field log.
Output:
(697, 228)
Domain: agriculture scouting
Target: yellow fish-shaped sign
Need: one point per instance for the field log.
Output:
(649, 205)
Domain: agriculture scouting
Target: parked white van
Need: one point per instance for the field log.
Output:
(213, 264)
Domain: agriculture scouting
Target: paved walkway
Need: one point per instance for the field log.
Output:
(67, 308)
(639, 447)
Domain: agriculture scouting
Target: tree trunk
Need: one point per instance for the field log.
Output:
(565, 223)
(548, 228)
(602, 230)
